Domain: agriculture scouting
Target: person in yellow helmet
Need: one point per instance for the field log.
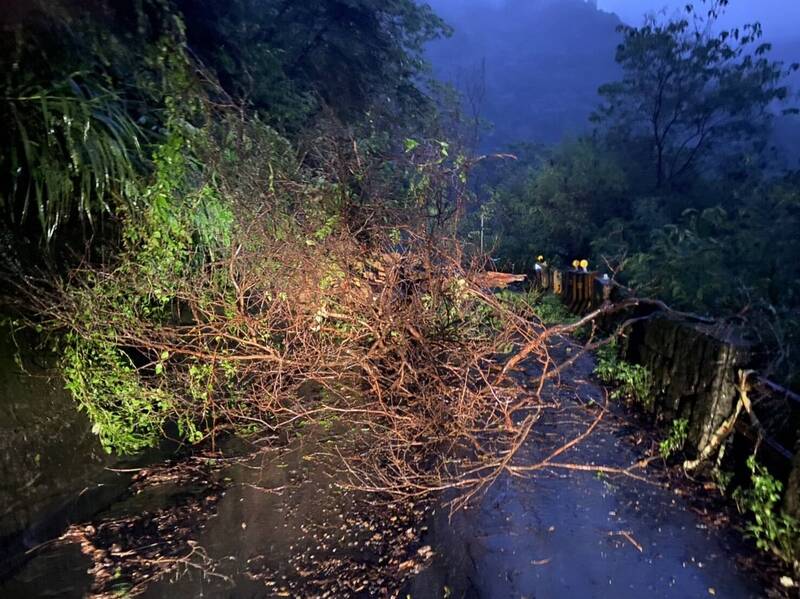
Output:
(538, 270)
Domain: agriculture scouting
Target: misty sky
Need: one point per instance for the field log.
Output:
(780, 18)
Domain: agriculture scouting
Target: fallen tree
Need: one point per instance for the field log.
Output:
(258, 292)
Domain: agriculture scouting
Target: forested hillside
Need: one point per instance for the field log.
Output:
(208, 210)
(147, 141)
(682, 182)
(530, 69)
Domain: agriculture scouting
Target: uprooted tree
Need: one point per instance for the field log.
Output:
(236, 281)
(250, 279)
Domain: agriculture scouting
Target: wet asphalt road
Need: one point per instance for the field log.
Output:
(559, 534)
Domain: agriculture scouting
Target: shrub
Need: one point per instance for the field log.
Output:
(773, 530)
(634, 382)
(676, 438)
(548, 308)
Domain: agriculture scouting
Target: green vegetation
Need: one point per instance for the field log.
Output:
(75, 146)
(162, 247)
(633, 381)
(292, 60)
(690, 97)
(175, 134)
(551, 310)
(563, 194)
(83, 98)
(676, 438)
(126, 415)
(88, 93)
(677, 190)
(546, 307)
(773, 530)
(210, 208)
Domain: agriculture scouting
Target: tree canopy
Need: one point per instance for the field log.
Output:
(88, 86)
(286, 58)
(677, 189)
(690, 93)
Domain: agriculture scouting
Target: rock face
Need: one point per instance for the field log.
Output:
(792, 497)
(694, 370)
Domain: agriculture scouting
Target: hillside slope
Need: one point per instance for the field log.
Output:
(544, 61)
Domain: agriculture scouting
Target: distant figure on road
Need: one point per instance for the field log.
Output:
(538, 270)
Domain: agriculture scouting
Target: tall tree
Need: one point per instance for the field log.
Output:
(690, 91)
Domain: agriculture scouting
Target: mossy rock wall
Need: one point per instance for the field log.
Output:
(694, 372)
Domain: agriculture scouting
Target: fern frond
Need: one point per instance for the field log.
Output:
(74, 152)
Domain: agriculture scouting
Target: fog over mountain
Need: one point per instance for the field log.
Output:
(780, 18)
(542, 62)
(532, 67)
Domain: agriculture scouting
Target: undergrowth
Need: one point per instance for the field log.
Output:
(633, 382)
(676, 438)
(182, 225)
(772, 529)
(547, 307)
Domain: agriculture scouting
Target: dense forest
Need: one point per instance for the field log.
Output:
(233, 219)
(680, 176)
(208, 211)
(677, 188)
